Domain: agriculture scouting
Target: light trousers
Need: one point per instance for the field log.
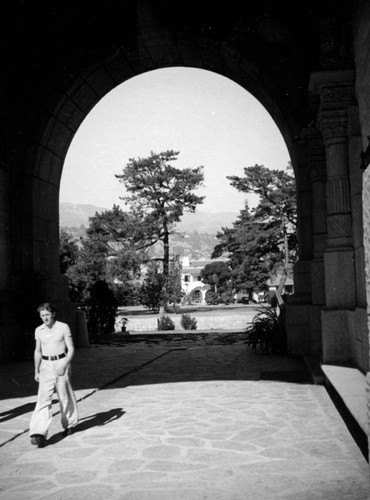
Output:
(49, 382)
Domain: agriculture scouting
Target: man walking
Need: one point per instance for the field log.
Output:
(53, 354)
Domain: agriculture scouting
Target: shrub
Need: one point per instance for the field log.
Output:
(211, 298)
(226, 297)
(152, 290)
(188, 323)
(267, 331)
(101, 309)
(165, 323)
(126, 294)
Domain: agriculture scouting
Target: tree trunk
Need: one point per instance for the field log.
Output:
(166, 263)
(166, 252)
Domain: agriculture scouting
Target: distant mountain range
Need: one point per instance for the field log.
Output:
(77, 215)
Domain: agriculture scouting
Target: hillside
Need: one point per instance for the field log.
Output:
(195, 234)
(75, 215)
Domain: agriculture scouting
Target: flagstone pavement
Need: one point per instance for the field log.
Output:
(184, 417)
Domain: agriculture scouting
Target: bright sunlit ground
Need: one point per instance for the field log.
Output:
(198, 310)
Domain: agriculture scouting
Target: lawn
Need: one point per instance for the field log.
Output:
(196, 310)
(222, 317)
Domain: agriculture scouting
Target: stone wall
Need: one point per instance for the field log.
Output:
(362, 57)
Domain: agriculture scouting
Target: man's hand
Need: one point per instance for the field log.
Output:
(61, 370)
(37, 377)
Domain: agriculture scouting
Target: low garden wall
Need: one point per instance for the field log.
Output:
(232, 323)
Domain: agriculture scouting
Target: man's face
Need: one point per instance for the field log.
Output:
(47, 317)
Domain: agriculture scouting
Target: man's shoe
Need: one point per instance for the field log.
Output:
(68, 432)
(39, 440)
(34, 439)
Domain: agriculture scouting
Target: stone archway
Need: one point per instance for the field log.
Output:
(64, 110)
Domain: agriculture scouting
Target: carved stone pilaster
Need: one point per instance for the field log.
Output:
(333, 126)
(316, 154)
(317, 166)
(336, 91)
(318, 180)
(338, 195)
(340, 93)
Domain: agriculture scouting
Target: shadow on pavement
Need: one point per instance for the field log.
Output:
(99, 419)
(19, 410)
(16, 412)
(153, 359)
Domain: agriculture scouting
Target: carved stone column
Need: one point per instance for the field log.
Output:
(336, 91)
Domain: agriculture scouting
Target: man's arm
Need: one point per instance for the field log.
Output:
(71, 351)
(37, 357)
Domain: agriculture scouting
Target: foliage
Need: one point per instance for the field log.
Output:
(248, 250)
(127, 293)
(89, 268)
(172, 292)
(151, 291)
(217, 274)
(101, 310)
(198, 245)
(267, 331)
(100, 259)
(276, 189)
(211, 298)
(188, 322)
(227, 296)
(118, 243)
(165, 323)
(265, 237)
(119, 237)
(158, 195)
(68, 251)
(91, 287)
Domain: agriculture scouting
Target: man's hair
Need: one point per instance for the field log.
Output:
(47, 306)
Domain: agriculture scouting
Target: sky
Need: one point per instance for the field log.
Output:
(212, 121)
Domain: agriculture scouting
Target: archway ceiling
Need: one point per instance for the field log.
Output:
(53, 43)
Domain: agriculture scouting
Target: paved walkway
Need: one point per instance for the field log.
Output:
(181, 418)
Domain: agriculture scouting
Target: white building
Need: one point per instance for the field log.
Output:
(193, 288)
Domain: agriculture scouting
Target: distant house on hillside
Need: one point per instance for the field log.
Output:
(193, 288)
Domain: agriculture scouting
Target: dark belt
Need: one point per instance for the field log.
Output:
(54, 358)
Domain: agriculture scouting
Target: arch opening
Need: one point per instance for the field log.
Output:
(65, 110)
